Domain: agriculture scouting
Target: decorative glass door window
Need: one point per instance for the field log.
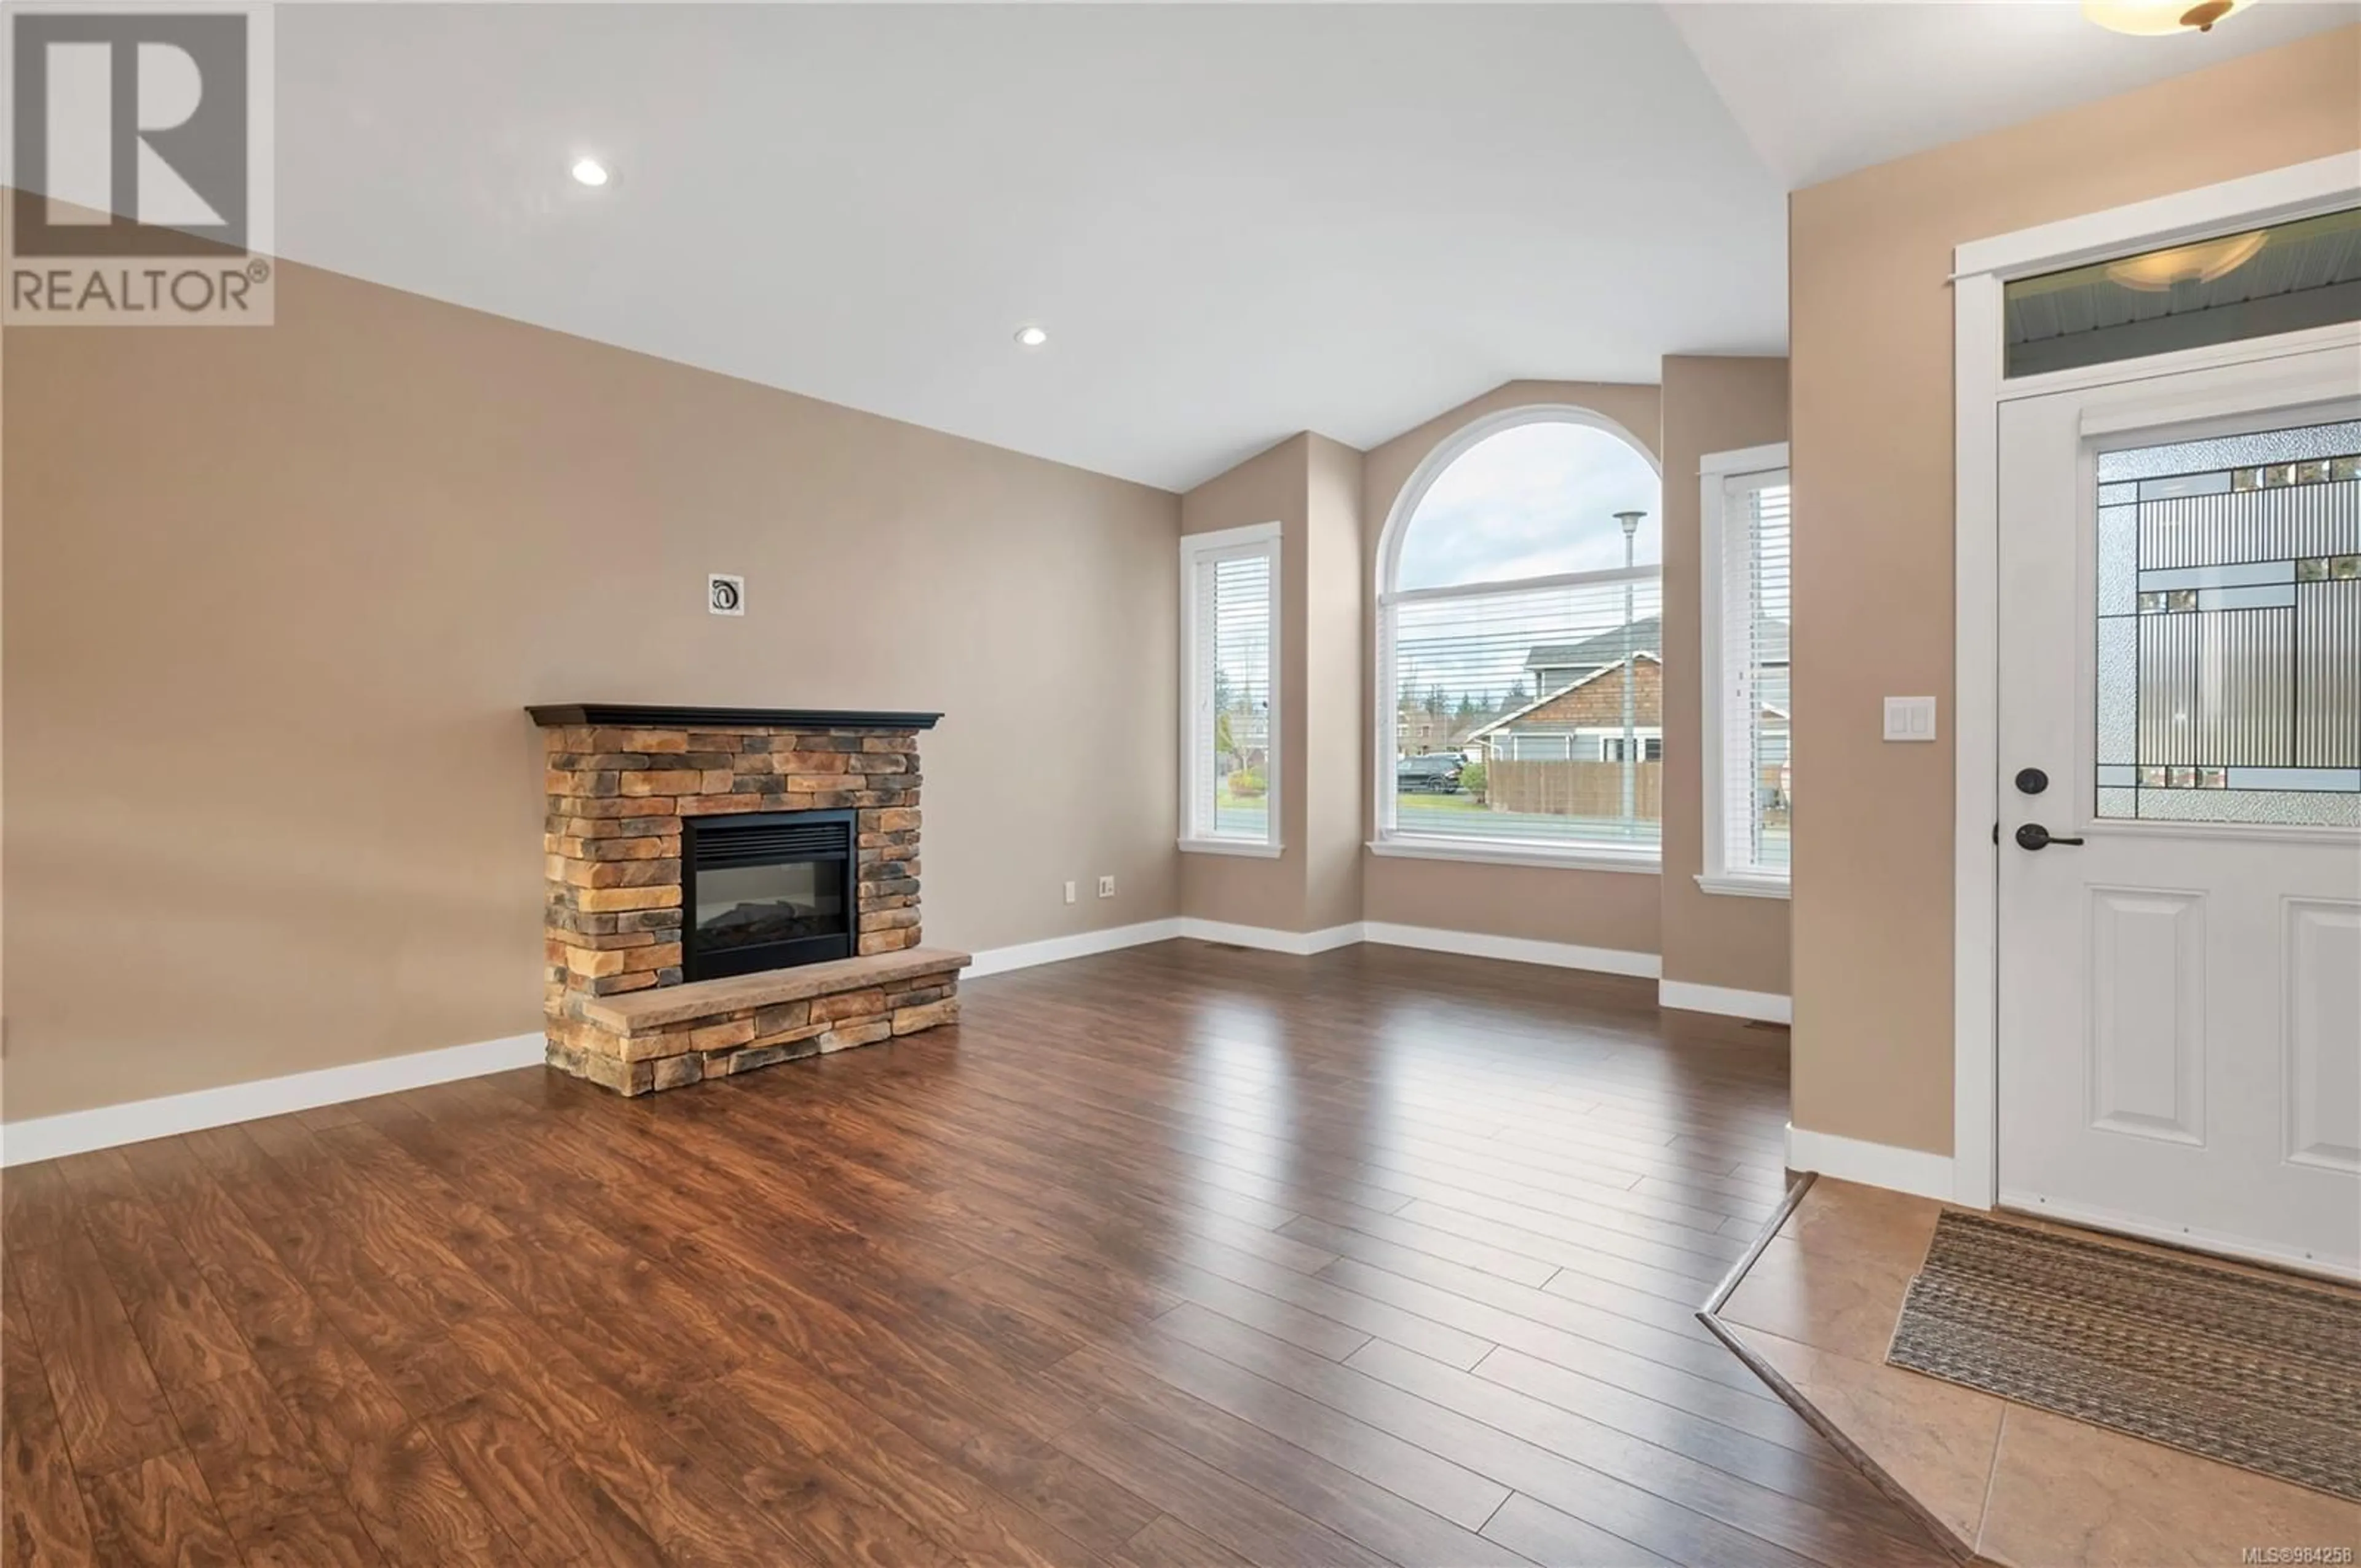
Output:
(2229, 628)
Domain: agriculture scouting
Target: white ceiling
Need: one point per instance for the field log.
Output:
(1825, 89)
(1237, 222)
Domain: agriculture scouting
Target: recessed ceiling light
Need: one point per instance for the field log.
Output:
(590, 171)
(1031, 336)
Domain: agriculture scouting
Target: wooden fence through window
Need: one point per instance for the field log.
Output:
(1574, 789)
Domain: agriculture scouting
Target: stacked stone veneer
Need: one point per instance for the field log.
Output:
(613, 927)
(646, 1040)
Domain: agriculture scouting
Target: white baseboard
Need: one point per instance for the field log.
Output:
(79, 1131)
(1081, 945)
(1764, 1006)
(1335, 937)
(1302, 944)
(1872, 1165)
(1516, 950)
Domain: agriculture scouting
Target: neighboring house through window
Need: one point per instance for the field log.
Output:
(1745, 508)
(1521, 632)
(1229, 699)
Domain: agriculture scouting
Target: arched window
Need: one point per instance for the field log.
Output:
(1521, 647)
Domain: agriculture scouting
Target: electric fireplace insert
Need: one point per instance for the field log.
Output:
(766, 889)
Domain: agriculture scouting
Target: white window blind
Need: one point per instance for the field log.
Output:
(1750, 609)
(1521, 648)
(1230, 724)
(1533, 690)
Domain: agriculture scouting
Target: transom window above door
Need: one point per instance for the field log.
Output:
(2259, 283)
(1521, 648)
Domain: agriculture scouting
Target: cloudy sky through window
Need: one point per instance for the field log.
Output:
(1532, 501)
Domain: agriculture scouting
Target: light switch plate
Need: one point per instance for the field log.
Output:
(1910, 718)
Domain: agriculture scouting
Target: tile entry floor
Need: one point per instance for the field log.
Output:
(2023, 1487)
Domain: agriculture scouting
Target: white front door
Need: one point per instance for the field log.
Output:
(2179, 1002)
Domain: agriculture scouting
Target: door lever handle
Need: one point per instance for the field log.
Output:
(2034, 836)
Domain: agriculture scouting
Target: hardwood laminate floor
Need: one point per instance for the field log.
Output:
(1179, 1258)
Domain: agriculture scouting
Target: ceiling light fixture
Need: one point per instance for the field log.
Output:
(2157, 271)
(2157, 18)
(1031, 336)
(590, 171)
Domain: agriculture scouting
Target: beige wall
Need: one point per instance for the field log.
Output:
(1311, 486)
(1336, 722)
(1871, 339)
(276, 598)
(1247, 890)
(1711, 404)
(1597, 909)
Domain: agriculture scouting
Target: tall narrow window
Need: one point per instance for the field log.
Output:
(1520, 660)
(1229, 671)
(1746, 510)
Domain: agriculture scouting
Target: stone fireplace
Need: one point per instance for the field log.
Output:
(730, 888)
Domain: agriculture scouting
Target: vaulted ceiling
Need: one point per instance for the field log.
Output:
(1825, 89)
(1235, 222)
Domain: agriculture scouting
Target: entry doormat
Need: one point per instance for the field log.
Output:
(2258, 1372)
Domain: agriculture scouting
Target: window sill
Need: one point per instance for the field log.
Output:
(1247, 847)
(1745, 886)
(1518, 854)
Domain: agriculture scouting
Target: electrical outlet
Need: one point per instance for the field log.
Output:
(1106, 887)
(1069, 893)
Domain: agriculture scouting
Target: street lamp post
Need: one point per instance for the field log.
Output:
(1630, 521)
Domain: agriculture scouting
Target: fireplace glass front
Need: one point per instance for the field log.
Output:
(766, 889)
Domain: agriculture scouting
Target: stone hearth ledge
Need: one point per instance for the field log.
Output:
(683, 1033)
(643, 1011)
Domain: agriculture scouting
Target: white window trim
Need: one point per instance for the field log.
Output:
(1250, 847)
(1389, 841)
(1758, 886)
(1601, 740)
(1713, 473)
(1517, 852)
(1196, 549)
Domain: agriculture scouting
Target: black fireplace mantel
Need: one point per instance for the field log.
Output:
(643, 716)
